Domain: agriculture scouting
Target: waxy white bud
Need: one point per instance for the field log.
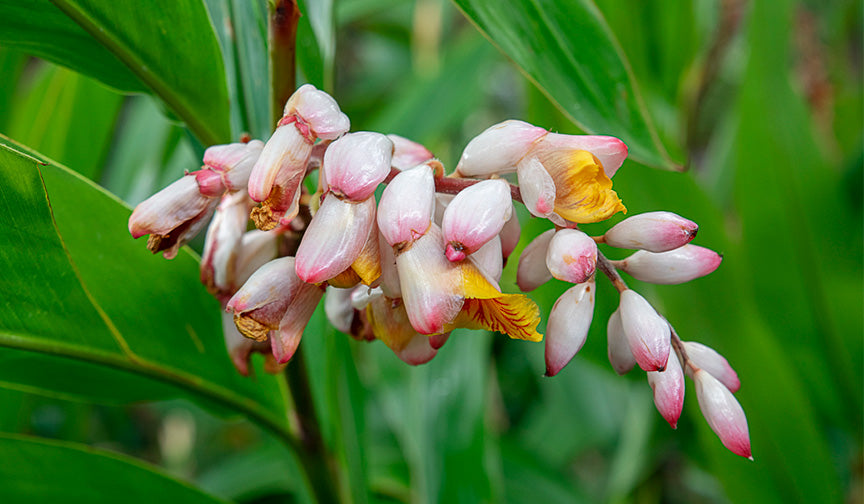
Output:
(707, 358)
(475, 216)
(319, 110)
(355, 164)
(652, 231)
(338, 308)
(532, 271)
(407, 153)
(536, 186)
(498, 149)
(407, 205)
(647, 332)
(618, 349)
(234, 162)
(568, 324)
(572, 256)
(673, 267)
(510, 234)
(723, 413)
(334, 238)
(668, 387)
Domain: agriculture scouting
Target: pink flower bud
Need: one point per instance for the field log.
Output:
(618, 349)
(407, 153)
(498, 149)
(532, 271)
(275, 302)
(673, 267)
(723, 413)
(209, 183)
(647, 333)
(319, 110)
(222, 244)
(233, 162)
(407, 205)
(334, 238)
(537, 187)
(172, 216)
(257, 248)
(609, 150)
(707, 358)
(572, 256)
(276, 177)
(338, 308)
(475, 216)
(489, 259)
(283, 157)
(652, 231)
(389, 281)
(510, 234)
(429, 285)
(355, 164)
(568, 324)
(668, 387)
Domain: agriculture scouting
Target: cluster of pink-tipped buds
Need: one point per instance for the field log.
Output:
(427, 257)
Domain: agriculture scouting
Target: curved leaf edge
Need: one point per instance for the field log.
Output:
(670, 164)
(122, 459)
(204, 131)
(134, 363)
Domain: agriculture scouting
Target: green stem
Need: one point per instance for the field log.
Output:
(282, 33)
(318, 464)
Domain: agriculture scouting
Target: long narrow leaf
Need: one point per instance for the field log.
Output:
(568, 51)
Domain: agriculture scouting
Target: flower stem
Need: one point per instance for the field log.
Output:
(282, 32)
(311, 449)
(608, 269)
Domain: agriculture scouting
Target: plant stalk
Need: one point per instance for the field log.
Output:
(282, 34)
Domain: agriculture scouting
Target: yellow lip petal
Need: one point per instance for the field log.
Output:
(486, 307)
(583, 191)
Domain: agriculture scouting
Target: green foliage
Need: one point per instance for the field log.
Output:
(762, 104)
(65, 472)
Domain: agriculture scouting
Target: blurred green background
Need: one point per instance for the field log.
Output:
(761, 102)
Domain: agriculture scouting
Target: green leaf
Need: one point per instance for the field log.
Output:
(67, 117)
(170, 49)
(437, 413)
(316, 42)
(39, 28)
(98, 305)
(253, 72)
(56, 471)
(567, 50)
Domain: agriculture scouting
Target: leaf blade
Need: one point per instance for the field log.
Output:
(90, 306)
(597, 90)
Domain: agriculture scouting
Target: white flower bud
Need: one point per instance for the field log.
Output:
(647, 333)
(673, 267)
(668, 387)
(723, 413)
(572, 256)
(568, 324)
(652, 231)
(618, 349)
(707, 358)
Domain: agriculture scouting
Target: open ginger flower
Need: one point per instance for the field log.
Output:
(564, 178)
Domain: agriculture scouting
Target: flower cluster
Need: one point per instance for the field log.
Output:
(426, 257)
